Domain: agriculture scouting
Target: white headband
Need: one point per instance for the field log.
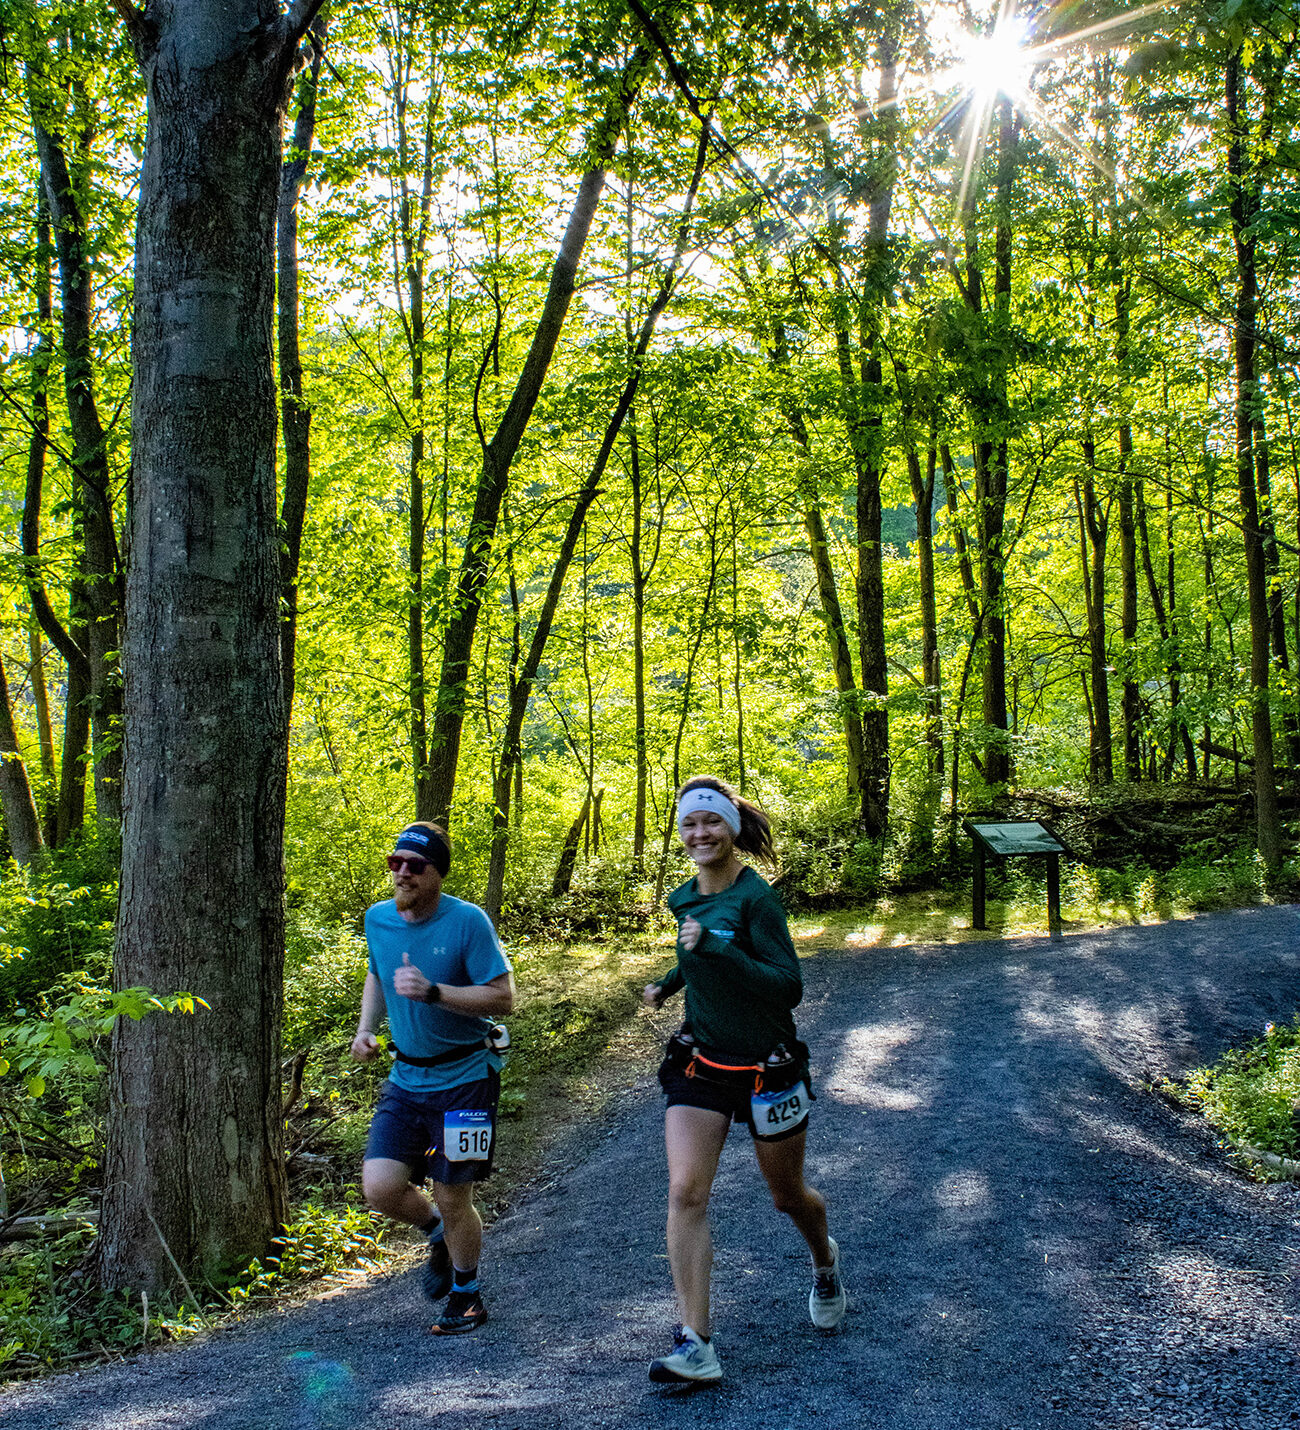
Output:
(712, 800)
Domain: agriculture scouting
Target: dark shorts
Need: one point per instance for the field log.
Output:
(732, 1101)
(408, 1127)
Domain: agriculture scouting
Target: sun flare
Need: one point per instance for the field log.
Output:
(997, 62)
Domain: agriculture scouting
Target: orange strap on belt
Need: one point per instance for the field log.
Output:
(755, 1068)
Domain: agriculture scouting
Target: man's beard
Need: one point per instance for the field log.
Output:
(406, 899)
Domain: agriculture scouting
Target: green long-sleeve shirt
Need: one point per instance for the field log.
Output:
(742, 977)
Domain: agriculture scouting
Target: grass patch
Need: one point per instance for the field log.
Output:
(1252, 1093)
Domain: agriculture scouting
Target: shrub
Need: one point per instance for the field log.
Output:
(1252, 1093)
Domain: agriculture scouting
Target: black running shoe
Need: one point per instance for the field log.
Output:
(435, 1279)
(463, 1312)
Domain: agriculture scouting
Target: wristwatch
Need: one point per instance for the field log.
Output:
(434, 994)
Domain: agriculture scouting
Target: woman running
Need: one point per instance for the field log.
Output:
(735, 1056)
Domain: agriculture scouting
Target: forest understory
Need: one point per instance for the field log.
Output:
(1137, 855)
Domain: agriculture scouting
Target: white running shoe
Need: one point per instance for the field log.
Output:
(691, 1359)
(827, 1301)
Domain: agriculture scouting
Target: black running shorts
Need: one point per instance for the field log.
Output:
(408, 1127)
(730, 1100)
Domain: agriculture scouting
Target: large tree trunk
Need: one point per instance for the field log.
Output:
(1268, 830)
(194, 1173)
(436, 783)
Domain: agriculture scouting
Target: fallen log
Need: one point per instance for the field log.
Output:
(31, 1228)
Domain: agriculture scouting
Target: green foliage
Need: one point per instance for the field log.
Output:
(64, 1043)
(1252, 1094)
(317, 1241)
(324, 970)
(56, 920)
(49, 1311)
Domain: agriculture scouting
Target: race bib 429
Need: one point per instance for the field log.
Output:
(778, 1112)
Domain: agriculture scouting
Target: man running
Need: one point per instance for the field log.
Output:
(437, 968)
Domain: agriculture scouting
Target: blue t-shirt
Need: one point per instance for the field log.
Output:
(457, 945)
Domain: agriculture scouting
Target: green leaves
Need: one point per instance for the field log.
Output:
(66, 1043)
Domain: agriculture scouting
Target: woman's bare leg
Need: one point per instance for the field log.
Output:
(693, 1137)
(782, 1166)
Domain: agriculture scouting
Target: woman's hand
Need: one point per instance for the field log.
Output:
(653, 994)
(689, 933)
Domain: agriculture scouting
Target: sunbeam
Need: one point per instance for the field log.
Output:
(999, 63)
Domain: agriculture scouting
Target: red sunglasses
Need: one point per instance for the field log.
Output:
(413, 862)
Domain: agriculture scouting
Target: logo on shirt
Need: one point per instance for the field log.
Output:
(723, 933)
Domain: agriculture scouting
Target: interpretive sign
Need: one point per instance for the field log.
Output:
(1009, 839)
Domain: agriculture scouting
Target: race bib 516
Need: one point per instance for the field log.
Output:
(466, 1135)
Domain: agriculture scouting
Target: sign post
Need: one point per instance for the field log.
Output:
(1011, 839)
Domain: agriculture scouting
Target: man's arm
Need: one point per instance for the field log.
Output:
(365, 1045)
(477, 1000)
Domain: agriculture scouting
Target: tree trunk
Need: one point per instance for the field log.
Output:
(1094, 521)
(639, 738)
(67, 801)
(923, 499)
(828, 595)
(992, 472)
(1129, 702)
(521, 691)
(436, 783)
(1276, 598)
(44, 730)
(194, 1172)
(295, 413)
(99, 576)
(563, 880)
(1268, 829)
(21, 824)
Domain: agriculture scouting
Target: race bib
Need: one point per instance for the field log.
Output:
(778, 1112)
(466, 1135)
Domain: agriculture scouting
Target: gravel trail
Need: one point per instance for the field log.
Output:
(1030, 1236)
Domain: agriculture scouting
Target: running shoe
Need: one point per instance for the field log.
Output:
(827, 1301)
(691, 1359)
(463, 1312)
(435, 1279)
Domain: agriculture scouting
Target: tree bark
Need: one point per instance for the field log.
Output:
(194, 1172)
